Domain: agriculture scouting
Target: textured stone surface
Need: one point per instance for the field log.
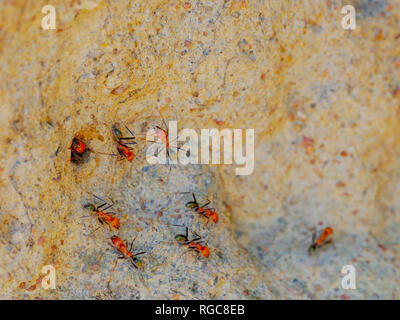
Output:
(324, 103)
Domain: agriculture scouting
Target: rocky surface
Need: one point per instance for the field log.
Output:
(324, 103)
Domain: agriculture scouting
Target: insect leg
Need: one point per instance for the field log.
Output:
(137, 254)
(108, 207)
(98, 208)
(206, 204)
(98, 198)
(133, 136)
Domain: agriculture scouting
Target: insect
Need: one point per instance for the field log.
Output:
(78, 150)
(318, 243)
(161, 136)
(203, 210)
(195, 244)
(123, 149)
(104, 217)
(122, 248)
(78, 146)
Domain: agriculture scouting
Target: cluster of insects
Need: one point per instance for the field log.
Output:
(109, 219)
(80, 151)
(124, 147)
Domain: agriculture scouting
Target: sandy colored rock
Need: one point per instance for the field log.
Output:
(325, 106)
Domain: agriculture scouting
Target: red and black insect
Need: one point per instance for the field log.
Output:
(162, 136)
(209, 213)
(124, 150)
(107, 218)
(79, 150)
(322, 239)
(122, 248)
(195, 244)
